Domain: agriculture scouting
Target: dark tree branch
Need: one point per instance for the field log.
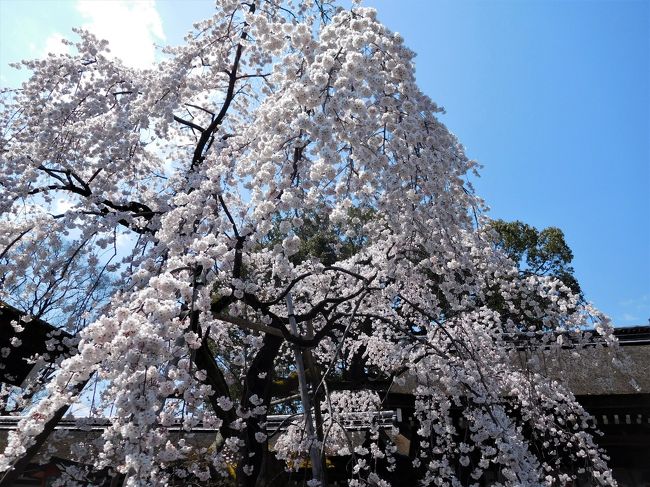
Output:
(72, 183)
(189, 124)
(197, 159)
(230, 218)
(200, 108)
(14, 241)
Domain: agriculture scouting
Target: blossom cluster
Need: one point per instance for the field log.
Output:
(284, 148)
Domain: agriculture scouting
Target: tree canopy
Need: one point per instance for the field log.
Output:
(284, 151)
(540, 253)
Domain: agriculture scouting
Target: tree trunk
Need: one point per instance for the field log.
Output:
(254, 452)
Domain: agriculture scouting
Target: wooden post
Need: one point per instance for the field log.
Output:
(318, 415)
(314, 451)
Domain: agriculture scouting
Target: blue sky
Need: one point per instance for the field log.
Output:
(552, 97)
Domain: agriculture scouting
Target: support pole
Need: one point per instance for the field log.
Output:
(314, 451)
(315, 377)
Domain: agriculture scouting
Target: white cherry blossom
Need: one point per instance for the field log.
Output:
(285, 147)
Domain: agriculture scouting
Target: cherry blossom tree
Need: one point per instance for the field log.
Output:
(283, 151)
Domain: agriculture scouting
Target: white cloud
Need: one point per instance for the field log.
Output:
(125, 241)
(130, 27)
(54, 45)
(62, 205)
(637, 310)
(638, 302)
(630, 318)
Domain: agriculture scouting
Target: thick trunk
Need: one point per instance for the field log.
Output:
(204, 359)
(258, 382)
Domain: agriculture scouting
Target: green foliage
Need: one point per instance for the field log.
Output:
(541, 253)
(324, 241)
